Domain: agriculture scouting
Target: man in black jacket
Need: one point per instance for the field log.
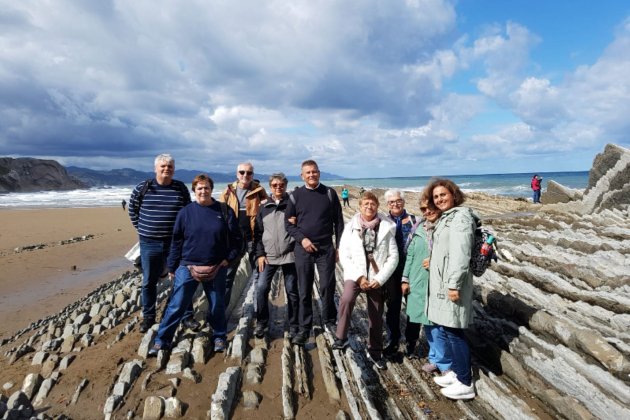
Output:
(312, 217)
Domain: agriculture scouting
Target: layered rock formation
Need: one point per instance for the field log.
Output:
(29, 174)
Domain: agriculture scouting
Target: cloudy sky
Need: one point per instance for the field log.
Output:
(367, 88)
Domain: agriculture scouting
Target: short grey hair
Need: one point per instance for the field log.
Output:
(251, 165)
(164, 157)
(393, 192)
(280, 176)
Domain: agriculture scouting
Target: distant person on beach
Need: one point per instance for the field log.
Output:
(361, 191)
(404, 222)
(274, 250)
(206, 237)
(415, 286)
(345, 196)
(244, 197)
(368, 254)
(536, 186)
(124, 204)
(313, 217)
(449, 305)
(153, 207)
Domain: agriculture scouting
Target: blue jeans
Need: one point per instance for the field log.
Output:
(290, 285)
(184, 287)
(439, 352)
(536, 196)
(453, 339)
(153, 253)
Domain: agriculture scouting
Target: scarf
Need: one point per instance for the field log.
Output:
(429, 227)
(368, 232)
(398, 220)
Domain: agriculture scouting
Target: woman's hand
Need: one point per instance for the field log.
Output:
(453, 295)
(171, 276)
(362, 282)
(425, 263)
(404, 288)
(262, 260)
(373, 285)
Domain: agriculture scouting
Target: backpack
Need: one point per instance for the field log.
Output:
(478, 261)
(145, 187)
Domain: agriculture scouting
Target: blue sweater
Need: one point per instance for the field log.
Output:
(159, 208)
(200, 236)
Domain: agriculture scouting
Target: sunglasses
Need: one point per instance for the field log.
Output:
(278, 185)
(425, 209)
(249, 173)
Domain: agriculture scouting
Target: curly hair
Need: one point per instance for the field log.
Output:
(458, 195)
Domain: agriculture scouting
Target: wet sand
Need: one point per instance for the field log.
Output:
(39, 282)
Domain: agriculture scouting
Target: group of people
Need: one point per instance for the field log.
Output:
(424, 260)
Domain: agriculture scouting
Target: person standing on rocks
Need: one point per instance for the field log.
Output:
(206, 237)
(536, 186)
(404, 222)
(274, 250)
(449, 305)
(415, 285)
(153, 208)
(313, 217)
(244, 197)
(368, 254)
(345, 196)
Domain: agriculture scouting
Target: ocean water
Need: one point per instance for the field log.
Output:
(511, 185)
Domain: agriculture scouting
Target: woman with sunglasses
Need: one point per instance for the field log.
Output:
(449, 305)
(415, 285)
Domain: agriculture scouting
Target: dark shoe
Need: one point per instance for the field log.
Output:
(379, 363)
(390, 350)
(191, 324)
(146, 325)
(291, 334)
(411, 352)
(300, 338)
(340, 344)
(260, 330)
(154, 350)
(219, 345)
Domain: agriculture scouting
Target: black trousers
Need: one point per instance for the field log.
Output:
(325, 259)
(394, 303)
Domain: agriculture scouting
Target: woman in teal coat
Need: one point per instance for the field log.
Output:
(415, 285)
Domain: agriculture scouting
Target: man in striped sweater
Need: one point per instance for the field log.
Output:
(153, 208)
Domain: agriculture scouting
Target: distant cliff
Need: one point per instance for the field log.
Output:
(30, 174)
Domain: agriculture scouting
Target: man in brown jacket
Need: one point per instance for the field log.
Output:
(244, 196)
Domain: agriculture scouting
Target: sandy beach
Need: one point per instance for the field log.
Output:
(36, 283)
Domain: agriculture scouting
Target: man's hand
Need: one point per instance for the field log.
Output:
(224, 263)
(262, 260)
(171, 276)
(404, 288)
(453, 295)
(308, 246)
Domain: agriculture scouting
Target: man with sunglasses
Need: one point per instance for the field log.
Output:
(244, 197)
(274, 250)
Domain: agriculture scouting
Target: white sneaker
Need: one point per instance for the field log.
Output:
(459, 391)
(445, 380)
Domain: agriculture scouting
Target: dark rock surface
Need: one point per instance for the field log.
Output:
(29, 174)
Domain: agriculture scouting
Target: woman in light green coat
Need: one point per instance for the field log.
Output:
(415, 285)
(449, 305)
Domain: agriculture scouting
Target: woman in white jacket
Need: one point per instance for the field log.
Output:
(368, 255)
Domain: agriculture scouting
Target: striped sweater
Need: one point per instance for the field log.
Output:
(158, 210)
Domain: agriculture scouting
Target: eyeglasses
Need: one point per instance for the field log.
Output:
(278, 185)
(398, 202)
(249, 173)
(425, 209)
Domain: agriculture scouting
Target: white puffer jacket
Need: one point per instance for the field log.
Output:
(352, 255)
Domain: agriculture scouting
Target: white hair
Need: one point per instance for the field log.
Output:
(245, 164)
(391, 193)
(164, 157)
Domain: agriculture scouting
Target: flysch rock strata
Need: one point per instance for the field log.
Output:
(550, 336)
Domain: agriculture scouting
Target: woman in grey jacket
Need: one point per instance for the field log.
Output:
(451, 283)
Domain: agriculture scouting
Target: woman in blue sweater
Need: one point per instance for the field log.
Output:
(206, 237)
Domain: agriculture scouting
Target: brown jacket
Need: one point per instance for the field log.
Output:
(253, 198)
